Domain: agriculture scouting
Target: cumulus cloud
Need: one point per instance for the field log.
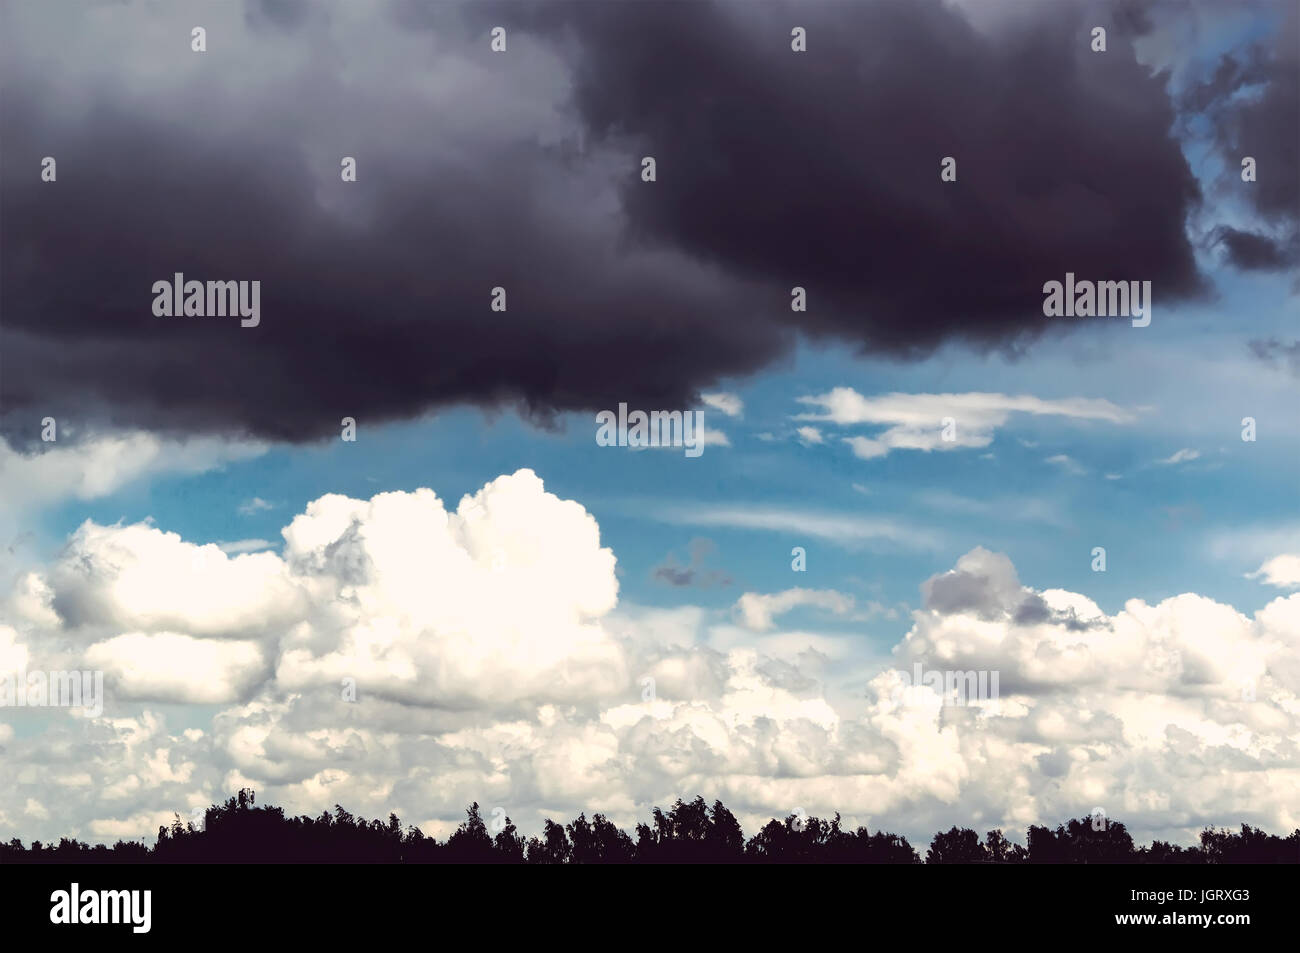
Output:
(493, 663)
(167, 666)
(1281, 571)
(495, 603)
(141, 578)
(809, 436)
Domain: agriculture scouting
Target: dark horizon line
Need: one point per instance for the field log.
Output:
(689, 832)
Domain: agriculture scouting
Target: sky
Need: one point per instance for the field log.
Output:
(474, 599)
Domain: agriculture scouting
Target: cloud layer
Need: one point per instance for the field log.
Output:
(487, 658)
(521, 170)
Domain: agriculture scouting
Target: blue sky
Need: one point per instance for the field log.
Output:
(776, 688)
(1167, 527)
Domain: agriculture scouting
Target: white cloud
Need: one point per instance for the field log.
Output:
(493, 664)
(140, 578)
(167, 666)
(1281, 571)
(729, 404)
(1067, 463)
(96, 466)
(842, 528)
(1182, 456)
(714, 438)
(916, 421)
(234, 547)
(758, 611)
(409, 602)
(809, 436)
(255, 505)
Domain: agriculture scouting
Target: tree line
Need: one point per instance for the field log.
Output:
(240, 831)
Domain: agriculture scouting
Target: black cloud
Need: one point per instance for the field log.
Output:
(775, 170)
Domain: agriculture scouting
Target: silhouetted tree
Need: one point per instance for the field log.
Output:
(1251, 846)
(599, 842)
(1002, 851)
(552, 848)
(509, 844)
(957, 846)
(470, 843)
(239, 830)
(1082, 841)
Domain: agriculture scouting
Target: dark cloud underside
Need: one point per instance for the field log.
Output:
(774, 169)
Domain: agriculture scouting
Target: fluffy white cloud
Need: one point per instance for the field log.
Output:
(140, 578)
(496, 603)
(1281, 571)
(172, 667)
(493, 664)
(809, 436)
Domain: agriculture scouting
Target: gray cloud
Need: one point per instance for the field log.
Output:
(520, 170)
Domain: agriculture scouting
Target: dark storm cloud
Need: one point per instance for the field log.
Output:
(373, 319)
(822, 170)
(1252, 102)
(520, 170)
(374, 299)
(1253, 252)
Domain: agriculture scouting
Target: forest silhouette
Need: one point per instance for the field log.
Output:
(239, 831)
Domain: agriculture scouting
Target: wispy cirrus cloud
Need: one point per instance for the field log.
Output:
(758, 611)
(98, 465)
(850, 530)
(943, 421)
(1019, 509)
(729, 404)
(1185, 455)
(1067, 463)
(237, 546)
